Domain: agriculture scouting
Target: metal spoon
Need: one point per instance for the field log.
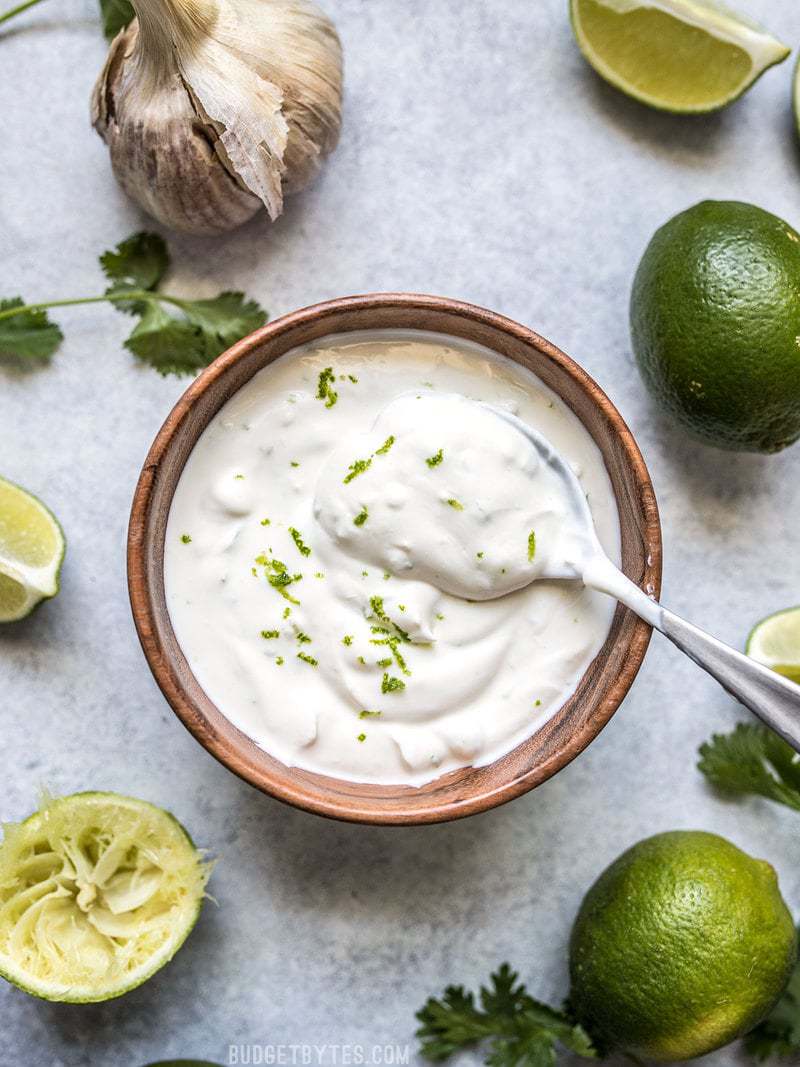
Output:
(774, 699)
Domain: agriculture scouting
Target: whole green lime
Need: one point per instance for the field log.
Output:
(715, 324)
(682, 945)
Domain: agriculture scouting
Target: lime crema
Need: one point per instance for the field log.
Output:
(351, 553)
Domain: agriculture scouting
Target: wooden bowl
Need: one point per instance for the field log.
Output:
(461, 792)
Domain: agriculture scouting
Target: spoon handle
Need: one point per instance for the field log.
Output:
(774, 699)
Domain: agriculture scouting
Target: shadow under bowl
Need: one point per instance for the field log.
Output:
(468, 790)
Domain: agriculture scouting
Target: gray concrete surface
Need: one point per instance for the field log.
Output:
(480, 159)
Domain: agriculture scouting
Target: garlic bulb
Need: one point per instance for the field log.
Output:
(212, 109)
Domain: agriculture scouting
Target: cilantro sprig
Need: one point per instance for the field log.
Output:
(173, 335)
(520, 1031)
(752, 760)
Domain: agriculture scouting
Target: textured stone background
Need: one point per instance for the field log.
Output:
(480, 159)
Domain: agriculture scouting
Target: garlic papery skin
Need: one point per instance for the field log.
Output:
(212, 109)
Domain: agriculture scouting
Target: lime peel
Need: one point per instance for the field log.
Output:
(97, 892)
(652, 51)
(32, 549)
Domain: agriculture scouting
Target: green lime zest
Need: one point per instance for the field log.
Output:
(268, 635)
(369, 714)
(186, 539)
(302, 547)
(357, 467)
(347, 640)
(531, 546)
(362, 516)
(387, 444)
(361, 737)
(455, 504)
(392, 685)
(307, 659)
(278, 576)
(436, 459)
(325, 390)
(376, 605)
(303, 638)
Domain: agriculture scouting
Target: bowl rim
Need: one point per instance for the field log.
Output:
(145, 614)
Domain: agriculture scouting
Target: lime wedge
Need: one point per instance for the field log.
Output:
(31, 551)
(97, 892)
(775, 642)
(677, 55)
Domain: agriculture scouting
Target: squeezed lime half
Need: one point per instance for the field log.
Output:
(97, 892)
(775, 642)
(31, 552)
(687, 56)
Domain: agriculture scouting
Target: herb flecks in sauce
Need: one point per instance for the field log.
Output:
(362, 516)
(436, 459)
(186, 539)
(531, 546)
(361, 737)
(269, 634)
(369, 714)
(387, 444)
(455, 504)
(347, 640)
(307, 659)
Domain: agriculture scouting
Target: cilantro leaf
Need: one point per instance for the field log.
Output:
(138, 262)
(752, 760)
(116, 14)
(223, 320)
(173, 335)
(169, 344)
(521, 1031)
(27, 336)
(779, 1033)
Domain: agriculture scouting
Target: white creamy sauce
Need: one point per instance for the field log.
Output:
(351, 553)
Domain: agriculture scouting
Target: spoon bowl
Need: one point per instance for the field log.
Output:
(773, 698)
